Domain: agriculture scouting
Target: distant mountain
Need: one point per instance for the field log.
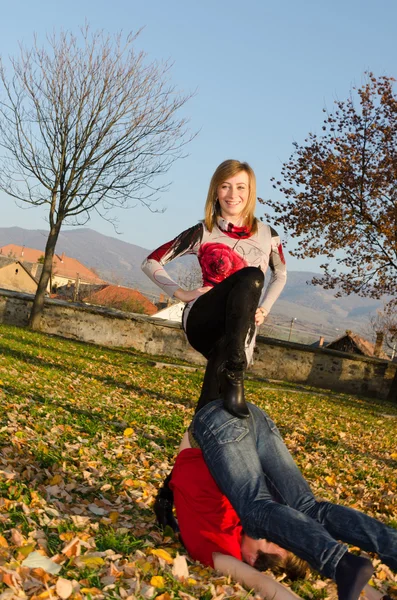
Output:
(311, 303)
(116, 261)
(119, 262)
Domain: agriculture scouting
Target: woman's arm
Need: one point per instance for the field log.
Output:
(278, 273)
(251, 578)
(187, 242)
(263, 584)
(371, 593)
(184, 442)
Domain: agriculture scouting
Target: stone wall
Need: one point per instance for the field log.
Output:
(274, 359)
(100, 325)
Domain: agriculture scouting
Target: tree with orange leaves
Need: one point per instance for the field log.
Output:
(340, 189)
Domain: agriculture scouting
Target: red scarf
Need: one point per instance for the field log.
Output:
(233, 231)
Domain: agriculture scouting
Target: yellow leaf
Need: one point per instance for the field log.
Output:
(26, 550)
(44, 595)
(35, 498)
(73, 548)
(157, 581)
(1, 382)
(164, 596)
(128, 432)
(394, 455)
(94, 591)
(163, 554)
(129, 483)
(381, 575)
(67, 536)
(56, 479)
(191, 581)
(90, 561)
(3, 542)
(146, 567)
(114, 516)
(330, 480)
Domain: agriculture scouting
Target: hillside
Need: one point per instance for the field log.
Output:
(119, 262)
(115, 260)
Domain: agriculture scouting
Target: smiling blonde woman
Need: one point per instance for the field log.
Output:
(220, 319)
(234, 250)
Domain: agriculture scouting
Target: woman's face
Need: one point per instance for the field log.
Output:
(233, 196)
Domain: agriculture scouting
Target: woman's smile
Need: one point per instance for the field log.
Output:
(233, 197)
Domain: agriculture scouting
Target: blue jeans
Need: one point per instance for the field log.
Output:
(254, 469)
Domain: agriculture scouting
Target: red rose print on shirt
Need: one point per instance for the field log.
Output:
(218, 261)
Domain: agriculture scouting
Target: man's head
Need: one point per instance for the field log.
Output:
(263, 555)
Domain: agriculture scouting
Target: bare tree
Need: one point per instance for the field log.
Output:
(86, 124)
(385, 321)
(189, 277)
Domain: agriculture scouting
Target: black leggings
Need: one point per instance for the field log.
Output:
(219, 323)
(217, 326)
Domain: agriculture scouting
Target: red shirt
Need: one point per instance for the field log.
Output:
(207, 520)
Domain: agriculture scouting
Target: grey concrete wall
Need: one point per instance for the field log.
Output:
(274, 359)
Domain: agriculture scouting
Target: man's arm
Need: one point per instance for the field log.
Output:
(251, 578)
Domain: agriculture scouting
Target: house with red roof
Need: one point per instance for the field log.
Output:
(355, 344)
(66, 270)
(14, 276)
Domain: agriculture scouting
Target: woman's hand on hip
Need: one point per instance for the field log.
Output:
(260, 316)
(189, 295)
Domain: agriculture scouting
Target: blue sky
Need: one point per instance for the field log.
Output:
(262, 72)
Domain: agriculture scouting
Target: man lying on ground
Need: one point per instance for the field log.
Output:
(261, 505)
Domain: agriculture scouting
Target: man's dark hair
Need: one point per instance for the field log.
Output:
(293, 566)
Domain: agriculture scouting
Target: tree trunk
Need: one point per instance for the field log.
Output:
(38, 303)
(392, 395)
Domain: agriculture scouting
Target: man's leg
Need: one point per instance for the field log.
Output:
(229, 448)
(289, 487)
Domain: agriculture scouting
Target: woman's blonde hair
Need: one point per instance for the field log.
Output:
(227, 169)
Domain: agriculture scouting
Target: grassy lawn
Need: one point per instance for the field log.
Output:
(87, 434)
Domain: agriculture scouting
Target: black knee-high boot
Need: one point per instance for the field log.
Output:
(242, 303)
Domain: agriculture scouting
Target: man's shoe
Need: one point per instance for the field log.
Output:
(165, 517)
(232, 391)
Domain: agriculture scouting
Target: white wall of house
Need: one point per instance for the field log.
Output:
(14, 277)
(171, 313)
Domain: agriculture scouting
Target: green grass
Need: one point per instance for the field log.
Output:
(87, 434)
